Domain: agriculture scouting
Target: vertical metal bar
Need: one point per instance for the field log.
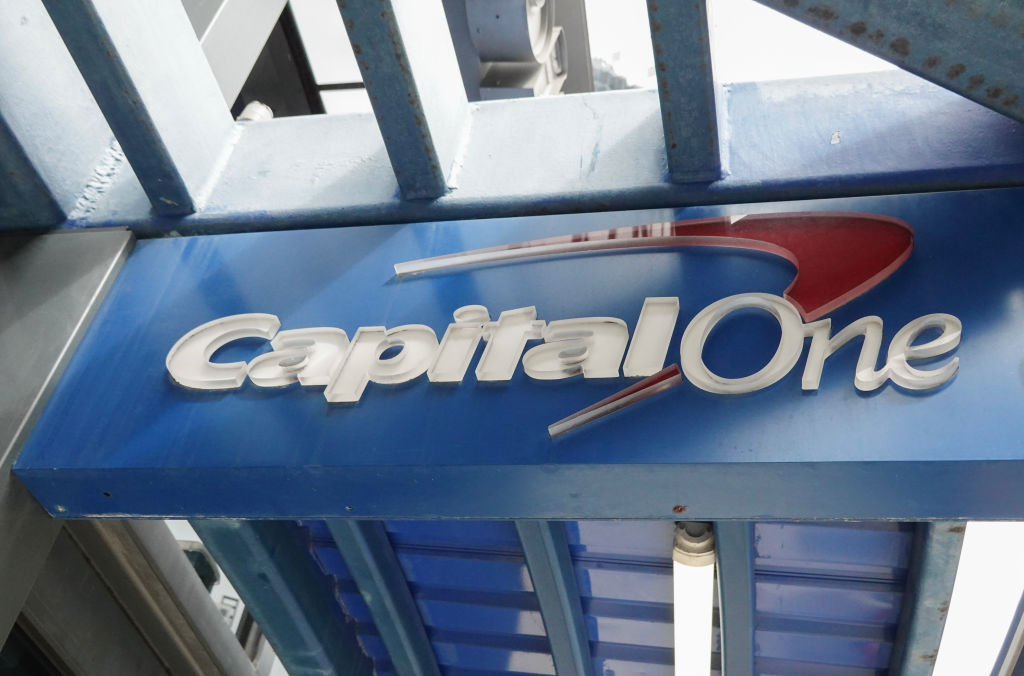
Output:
(370, 558)
(554, 580)
(408, 63)
(686, 85)
(734, 544)
(287, 594)
(146, 71)
(51, 132)
(933, 566)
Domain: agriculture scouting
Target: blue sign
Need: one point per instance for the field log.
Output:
(932, 428)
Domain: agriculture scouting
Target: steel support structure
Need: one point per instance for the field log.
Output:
(687, 88)
(734, 548)
(49, 144)
(412, 76)
(367, 552)
(972, 48)
(287, 594)
(933, 566)
(554, 581)
(148, 75)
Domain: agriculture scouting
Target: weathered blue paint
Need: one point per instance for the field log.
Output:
(409, 68)
(148, 75)
(596, 152)
(972, 48)
(51, 132)
(554, 580)
(24, 196)
(734, 547)
(117, 425)
(933, 567)
(288, 594)
(371, 560)
(687, 89)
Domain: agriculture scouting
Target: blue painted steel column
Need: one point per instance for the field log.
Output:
(933, 566)
(51, 132)
(288, 595)
(405, 53)
(682, 63)
(734, 546)
(972, 48)
(554, 580)
(370, 558)
(149, 76)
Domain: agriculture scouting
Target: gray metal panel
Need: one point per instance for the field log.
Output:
(682, 64)
(734, 544)
(147, 572)
(51, 132)
(368, 554)
(405, 53)
(50, 286)
(234, 38)
(147, 73)
(933, 567)
(972, 48)
(554, 579)
(73, 612)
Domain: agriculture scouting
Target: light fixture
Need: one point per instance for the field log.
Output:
(693, 579)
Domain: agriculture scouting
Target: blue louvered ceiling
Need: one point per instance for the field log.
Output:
(828, 596)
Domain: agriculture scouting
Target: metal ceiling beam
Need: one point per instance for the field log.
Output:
(734, 545)
(971, 47)
(288, 595)
(687, 88)
(146, 71)
(554, 581)
(408, 63)
(599, 152)
(933, 564)
(367, 552)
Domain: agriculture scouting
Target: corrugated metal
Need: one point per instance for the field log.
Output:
(828, 596)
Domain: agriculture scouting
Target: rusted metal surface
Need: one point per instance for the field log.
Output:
(971, 47)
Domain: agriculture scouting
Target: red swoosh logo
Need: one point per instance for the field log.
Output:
(838, 256)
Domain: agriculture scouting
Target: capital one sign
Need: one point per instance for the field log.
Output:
(838, 257)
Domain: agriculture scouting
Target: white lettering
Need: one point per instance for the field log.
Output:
(592, 346)
(691, 348)
(902, 350)
(300, 355)
(651, 338)
(506, 340)
(459, 344)
(189, 363)
(865, 378)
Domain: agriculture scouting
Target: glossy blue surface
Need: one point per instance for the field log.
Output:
(830, 605)
(117, 425)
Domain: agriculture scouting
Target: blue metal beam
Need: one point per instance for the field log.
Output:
(734, 545)
(370, 558)
(286, 593)
(412, 76)
(596, 152)
(686, 85)
(1009, 662)
(972, 48)
(933, 566)
(51, 132)
(146, 71)
(554, 581)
